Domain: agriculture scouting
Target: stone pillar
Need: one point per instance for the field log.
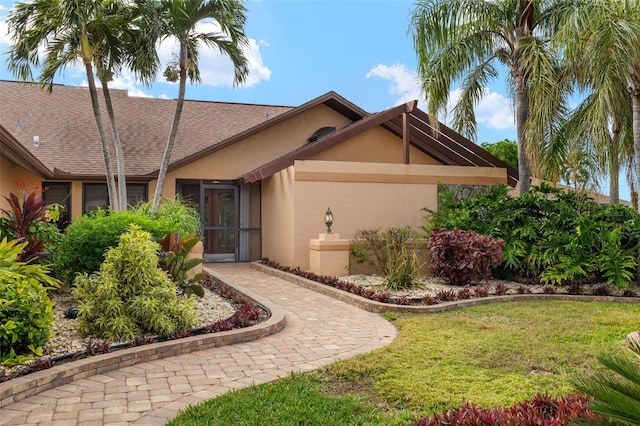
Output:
(329, 255)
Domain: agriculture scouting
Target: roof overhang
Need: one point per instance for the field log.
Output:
(13, 150)
(414, 127)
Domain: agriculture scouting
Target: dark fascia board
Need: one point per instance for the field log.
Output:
(17, 153)
(448, 146)
(327, 142)
(61, 175)
(330, 99)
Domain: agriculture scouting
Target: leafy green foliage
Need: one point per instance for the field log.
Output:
(178, 211)
(131, 295)
(460, 257)
(615, 391)
(26, 312)
(541, 410)
(550, 235)
(174, 258)
(28, 220)
(403, 270)
(83, 247)
(387, 251)
(506, 150)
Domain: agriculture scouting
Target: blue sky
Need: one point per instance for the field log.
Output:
(301, 49)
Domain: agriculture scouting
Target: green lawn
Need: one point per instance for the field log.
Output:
(492, 355)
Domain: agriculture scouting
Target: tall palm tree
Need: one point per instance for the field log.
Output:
(67, 31)
(469, 41)
(179, 19)
(600, 41)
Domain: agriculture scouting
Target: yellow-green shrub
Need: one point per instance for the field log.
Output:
(131, 296)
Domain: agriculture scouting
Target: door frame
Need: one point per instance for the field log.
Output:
(236, 205)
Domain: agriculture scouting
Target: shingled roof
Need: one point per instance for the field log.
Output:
(69, 143)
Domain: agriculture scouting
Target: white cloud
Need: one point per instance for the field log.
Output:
(216, 69)
(5, 40)
(494, 110)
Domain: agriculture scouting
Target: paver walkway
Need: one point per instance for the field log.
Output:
(319, 330)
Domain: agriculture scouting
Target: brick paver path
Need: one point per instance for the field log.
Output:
(319, 330)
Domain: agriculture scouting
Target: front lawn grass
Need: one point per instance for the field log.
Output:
(491, 355)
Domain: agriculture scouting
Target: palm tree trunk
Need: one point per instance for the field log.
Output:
(635, 102)
(122, 180)
(174, 129)
(111, 182)
(614, 166)
(522, 113)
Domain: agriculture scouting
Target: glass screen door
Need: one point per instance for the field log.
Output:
(219, 207)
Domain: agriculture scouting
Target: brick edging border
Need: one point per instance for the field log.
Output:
(22, 387)
(379, 307)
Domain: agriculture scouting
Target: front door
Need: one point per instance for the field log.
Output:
(219, 214)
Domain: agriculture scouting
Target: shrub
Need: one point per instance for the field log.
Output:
(615, 391)
(131, 295)
(460, 257)
(178, 211)
(376, 247)
(402, 269)
(481, 291)
(174, 259)
(87, 239)
(28, 220)
(550, 235)
(26, 312)
(501, 289)
(447, 295)
(541, 410)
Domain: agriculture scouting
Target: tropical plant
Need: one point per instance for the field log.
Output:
(377, 247)
(131, 295)
(558, 237)
(174, 258)
(469, 41)
(103, 35)
(615, 391)
(177, 210)
(605, 65)
(29, 220)
(26, 312)
(403, 269)
(179, 19)
(86, 241)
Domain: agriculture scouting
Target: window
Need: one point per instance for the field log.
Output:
(59, 193)
(96, 195)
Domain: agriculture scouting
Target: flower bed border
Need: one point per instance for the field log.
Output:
(24, 386)
(380, 307)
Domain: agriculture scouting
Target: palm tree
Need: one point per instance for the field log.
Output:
(615, 391)
(470, 40)
(600, 41)
(179, 19)
(66, 30)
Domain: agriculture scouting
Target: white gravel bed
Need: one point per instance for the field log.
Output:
(66, 338)
(431, 285)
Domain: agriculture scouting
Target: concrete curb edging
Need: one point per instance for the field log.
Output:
(379, 307)
(22, 387)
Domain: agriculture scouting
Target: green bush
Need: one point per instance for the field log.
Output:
(550, 235)
(26, 312)
(375, 246)
(131, 295)
(177, 211)
(403, 270)
(83, 247)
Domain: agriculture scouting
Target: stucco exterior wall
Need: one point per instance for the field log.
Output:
(374, 145)
(278, 217)
(367, 195)
(9, 171)
(256, 150)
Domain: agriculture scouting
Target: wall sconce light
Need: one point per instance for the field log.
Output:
(328, 220)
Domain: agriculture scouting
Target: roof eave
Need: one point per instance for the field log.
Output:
(19, 155)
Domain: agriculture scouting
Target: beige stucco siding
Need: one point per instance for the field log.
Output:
(278, 217)
(361, 196)
(374, 145)
(9, 172)
(256, 150)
